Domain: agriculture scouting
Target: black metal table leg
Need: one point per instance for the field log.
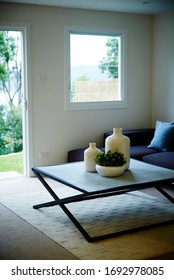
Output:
(45, 184)
(46, 204)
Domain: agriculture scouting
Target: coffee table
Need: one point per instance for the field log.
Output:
(92, 186)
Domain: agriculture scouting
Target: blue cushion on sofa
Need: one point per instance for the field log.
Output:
(163, 138)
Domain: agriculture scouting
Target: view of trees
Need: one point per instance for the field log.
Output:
(10, 93)
(109, 64)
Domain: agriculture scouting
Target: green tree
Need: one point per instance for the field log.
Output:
(10, 68)
(110, 63)
(83, 77)
(10, 130)
(14, 132)
(2, 130)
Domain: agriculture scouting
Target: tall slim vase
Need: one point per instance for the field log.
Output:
(119, 142)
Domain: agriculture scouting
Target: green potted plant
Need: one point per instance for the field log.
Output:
(110, 164)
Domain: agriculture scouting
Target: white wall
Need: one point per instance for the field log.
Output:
(54, 130)
(163, 68)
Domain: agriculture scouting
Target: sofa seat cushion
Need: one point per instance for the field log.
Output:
(161, 159)
(137, 152)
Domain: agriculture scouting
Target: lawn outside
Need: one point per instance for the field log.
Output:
(12, 162)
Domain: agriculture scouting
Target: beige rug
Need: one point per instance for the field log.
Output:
(97, 216)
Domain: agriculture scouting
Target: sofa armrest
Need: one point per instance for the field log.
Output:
(137, 136)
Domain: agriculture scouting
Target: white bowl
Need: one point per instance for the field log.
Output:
(110, 171)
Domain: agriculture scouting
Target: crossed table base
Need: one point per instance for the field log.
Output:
(91, 186)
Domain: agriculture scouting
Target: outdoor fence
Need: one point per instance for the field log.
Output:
(87, 91)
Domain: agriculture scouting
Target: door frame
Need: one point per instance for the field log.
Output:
(24, 28)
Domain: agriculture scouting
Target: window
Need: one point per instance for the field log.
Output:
(95, 69)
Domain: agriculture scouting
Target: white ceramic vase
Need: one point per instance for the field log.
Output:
(89, 157)
(119, 142)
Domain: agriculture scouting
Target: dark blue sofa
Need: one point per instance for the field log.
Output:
(140, 139)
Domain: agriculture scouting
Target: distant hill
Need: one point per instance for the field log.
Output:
(91, 71)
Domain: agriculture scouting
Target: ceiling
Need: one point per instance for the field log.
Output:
(128, 6)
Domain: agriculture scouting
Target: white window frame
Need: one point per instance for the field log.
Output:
(122, 33)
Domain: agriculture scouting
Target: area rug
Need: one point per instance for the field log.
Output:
(100, 216)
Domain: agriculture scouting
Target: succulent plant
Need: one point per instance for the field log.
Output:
(110, 158)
